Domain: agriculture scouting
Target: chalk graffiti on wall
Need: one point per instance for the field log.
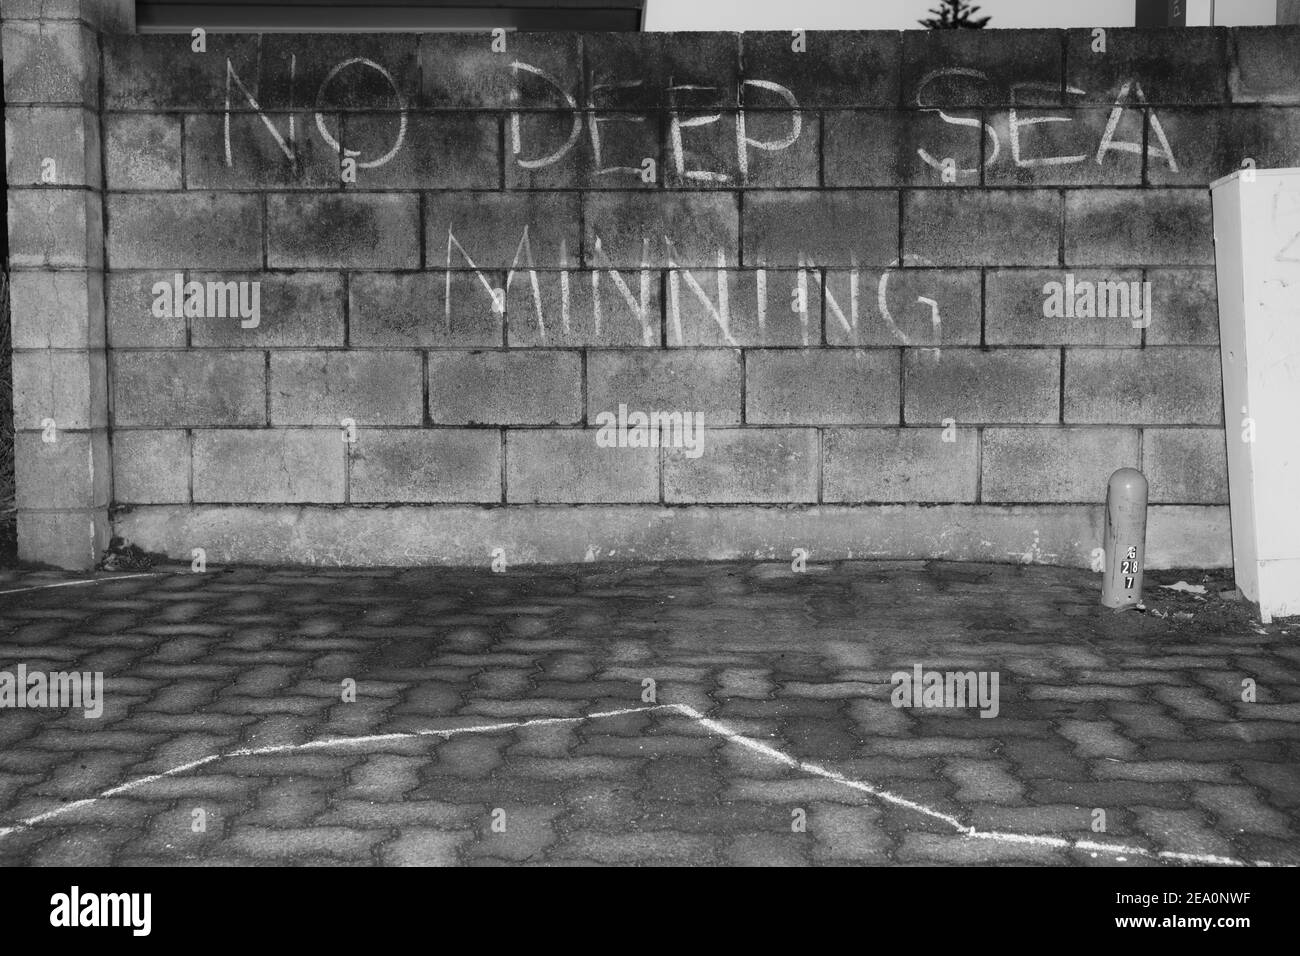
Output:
(1130, 97)
(714, 296)
(588, 116)
(631, 287)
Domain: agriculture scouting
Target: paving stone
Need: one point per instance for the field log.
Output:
(1139, 717)
(329, 842)
(384, 777)
(525, 832)
(1095, 738)
(1280, 781)
(848, 833)
(431, 814)
(80, 846)
(1191, 702)
(1061, 820)
(1172, 770)
(949, 850)
(1240, 809)
(640, 848)
(418, 846)
(983, 781)
(768, 849)
(1182, 831)
(793, 791)
(289, 802)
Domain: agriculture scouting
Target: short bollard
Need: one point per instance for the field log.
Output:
(1125, 539)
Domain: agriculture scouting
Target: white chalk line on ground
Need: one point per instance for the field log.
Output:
(71, 584)
(713, 726)
(1064, 843)
(321, 745)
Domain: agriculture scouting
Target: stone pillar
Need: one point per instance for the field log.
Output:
(56, 260)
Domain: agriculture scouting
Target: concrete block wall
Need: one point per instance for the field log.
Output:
(463, 256)
(62, 459)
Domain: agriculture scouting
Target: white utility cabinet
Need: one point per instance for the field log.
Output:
(1257, 256)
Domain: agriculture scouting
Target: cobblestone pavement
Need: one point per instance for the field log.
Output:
(1136, 715)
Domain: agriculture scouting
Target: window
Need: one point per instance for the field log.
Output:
(303, 16)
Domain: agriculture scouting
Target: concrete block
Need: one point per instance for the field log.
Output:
(376, 387)
(66, 386)
(841, 228)
(61, 228)
(1185, 307)
(923, 307)
(688, 70)
(73, 540)
(352, 231)
(902, 148)
(1150, 226)
(660, 229)
(1156, 386)
(340, 71)
(1209, 143)
(461, 71)
(705, 381)
(269, 465)
(423, 150)
(192, 389)
(715, 149)
(51, 145)
(899, 464)
(151, 467)
(958, 68)
(821, 386)
(1069, 465)
(56, 310)
(143, 151)
(1048, 146)
(604, 308)
(1187, 465)
(275, 149)
(50, 62)
(756, 465)
(300, 309)
(836, 67)
(426, 465)
(505, 388)
(72, 472)
(486, 230)
(603, 149)
(1265, 65)
(1177, 536)
(131, 323)
(970, 386)
(1170, 66)
(721, 307)
(1015, 304)
(985, 228)
(158, 71)
(184, 230)
(567, 466)
(1184, 536)
(428, 309)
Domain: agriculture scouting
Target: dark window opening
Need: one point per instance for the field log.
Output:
(306, 16)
